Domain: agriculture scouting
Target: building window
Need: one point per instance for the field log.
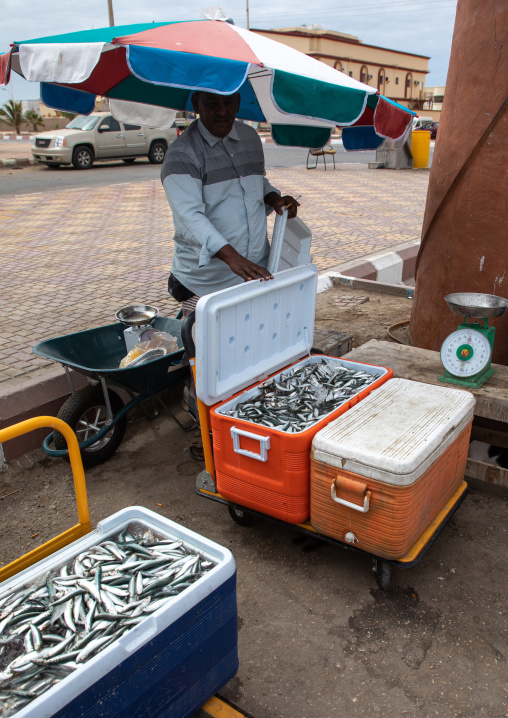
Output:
(337, 65)
(351, 73)
(396, 80)
(381, 79)
(364, 73)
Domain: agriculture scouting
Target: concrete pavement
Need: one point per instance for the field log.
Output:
(72, 258)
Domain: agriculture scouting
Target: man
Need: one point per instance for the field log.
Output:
(214, 179)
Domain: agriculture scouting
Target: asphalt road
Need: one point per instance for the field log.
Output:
(29, 180)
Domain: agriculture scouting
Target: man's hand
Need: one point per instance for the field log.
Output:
(274, 200)
(238, 264)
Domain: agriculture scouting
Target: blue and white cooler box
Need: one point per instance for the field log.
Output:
(169, 664)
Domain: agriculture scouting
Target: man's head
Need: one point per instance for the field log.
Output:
(217, 112)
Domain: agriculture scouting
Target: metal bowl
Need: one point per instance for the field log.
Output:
(476, 306)
(148, 356)
(136, 315)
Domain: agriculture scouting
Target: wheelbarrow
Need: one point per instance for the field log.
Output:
(97, 413)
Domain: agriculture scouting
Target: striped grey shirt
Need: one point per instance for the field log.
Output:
(216, 191)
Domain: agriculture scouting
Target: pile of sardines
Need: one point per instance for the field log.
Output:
(301, 396)
(50, 629)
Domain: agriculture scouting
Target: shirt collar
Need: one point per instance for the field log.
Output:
(211, 139)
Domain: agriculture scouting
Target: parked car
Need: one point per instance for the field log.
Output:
(419, 121)
(97, 137)
(430, 127)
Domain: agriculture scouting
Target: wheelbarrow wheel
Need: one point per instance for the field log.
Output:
(85, 412)
(241, 517)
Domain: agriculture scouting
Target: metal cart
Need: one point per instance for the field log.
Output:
(207, 488)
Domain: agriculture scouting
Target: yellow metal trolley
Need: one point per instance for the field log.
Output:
(80, 529)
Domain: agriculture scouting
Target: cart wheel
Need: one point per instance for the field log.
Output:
(85, 412)
(241, 517)
(382, 571)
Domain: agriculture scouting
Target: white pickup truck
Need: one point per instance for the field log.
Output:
(91, 138)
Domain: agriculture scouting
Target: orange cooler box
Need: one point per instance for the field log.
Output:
(245, 334)
(383, 471)
(266, 469)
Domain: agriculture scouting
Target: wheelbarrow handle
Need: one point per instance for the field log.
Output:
(187, 340)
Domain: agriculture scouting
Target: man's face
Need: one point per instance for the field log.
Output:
(217, 112)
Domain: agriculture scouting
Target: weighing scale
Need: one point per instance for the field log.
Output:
(466, 353)
(138, 319)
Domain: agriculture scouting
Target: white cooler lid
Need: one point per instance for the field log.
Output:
(249, 331)
(395, 433)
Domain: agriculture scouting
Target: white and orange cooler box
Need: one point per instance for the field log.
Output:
(382, 472)
(244, 335)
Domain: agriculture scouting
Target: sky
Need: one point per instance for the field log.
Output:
(423, 27)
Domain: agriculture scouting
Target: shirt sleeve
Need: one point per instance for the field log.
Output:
(185, 196)
(267, 188)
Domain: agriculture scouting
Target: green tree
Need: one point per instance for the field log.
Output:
(12, 114)
(33, 118)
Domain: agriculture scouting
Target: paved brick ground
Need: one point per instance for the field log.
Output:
(71, 259)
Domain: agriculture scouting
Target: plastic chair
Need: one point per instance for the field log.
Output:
(323, 152)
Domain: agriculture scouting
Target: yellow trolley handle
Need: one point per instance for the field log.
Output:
(84, 526)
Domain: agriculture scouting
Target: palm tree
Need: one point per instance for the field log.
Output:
(12, 114)
(33, 118)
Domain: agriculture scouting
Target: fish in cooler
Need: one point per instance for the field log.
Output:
(301, 396)
(49, 629)
(262, 436)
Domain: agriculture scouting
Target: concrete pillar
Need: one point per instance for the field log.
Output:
(465, 229)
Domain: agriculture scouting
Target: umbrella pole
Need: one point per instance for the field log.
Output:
(110, 13)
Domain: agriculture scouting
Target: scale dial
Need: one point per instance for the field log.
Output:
(465, 353)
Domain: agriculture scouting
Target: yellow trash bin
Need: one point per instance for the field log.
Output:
(420, 148)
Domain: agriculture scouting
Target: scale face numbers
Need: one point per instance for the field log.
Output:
(465, 352)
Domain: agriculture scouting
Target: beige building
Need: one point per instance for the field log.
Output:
(399, 76)
(434, 98)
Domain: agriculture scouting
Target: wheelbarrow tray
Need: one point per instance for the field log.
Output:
(97, 353)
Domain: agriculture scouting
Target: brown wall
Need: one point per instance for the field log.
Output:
(465, 230)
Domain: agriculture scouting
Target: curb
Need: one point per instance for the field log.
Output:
(5, 136)
(37, 396)
(388, 267)
(18, 162)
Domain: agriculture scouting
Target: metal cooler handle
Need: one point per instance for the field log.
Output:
(352, 485)
(264, 444)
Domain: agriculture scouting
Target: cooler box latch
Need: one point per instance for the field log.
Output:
(264, 444)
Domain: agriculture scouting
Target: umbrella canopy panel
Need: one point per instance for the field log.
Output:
(149, 72)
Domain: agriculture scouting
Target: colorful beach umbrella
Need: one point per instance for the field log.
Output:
(149, 71)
